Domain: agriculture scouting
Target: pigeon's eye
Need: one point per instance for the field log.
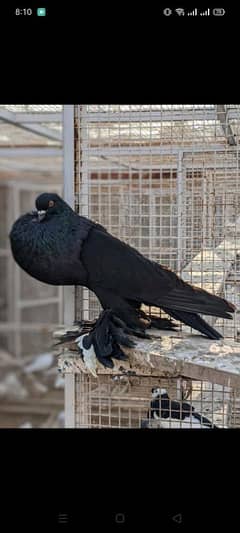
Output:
(51, 203)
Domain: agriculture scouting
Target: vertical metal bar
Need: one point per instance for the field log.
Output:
(179, 389)
(68, 153)
(180, 193)
(17, 284)
(60, 305)
(152, 222)
(84, 189)
(68, 192)
(69, 400)
(10, 272)
(205, 200)
(84, 400)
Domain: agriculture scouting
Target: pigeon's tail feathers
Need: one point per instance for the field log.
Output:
(196, 322)
(204, 421)
(190, 299)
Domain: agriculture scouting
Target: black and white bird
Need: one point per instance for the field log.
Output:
(55, 245)
(173, 414)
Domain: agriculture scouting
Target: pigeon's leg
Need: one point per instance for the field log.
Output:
(160, 323)
(121, 308)
(152, 321)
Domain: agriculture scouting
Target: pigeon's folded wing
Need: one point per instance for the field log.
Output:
(115, 266)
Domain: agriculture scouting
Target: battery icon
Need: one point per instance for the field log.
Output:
(218, 12)
(41, 12)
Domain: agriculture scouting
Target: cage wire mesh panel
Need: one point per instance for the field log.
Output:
(165, 179)
(122, 401)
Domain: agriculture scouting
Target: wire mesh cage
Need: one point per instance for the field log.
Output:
(135, 400)
(165, 179)
(122, 401)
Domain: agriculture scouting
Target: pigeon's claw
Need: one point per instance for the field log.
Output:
(106, 337)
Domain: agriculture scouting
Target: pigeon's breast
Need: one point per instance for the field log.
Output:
(46, 253)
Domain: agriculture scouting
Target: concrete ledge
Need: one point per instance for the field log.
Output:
(171, 355)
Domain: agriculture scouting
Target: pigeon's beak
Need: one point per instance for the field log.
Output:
(41, 215)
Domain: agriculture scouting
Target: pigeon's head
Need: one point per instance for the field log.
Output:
(157, 392)
(49, 204)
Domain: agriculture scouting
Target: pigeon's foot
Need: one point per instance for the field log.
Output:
(105, 338)
(101, 340)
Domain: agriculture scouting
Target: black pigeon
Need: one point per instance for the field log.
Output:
(175, 414)
(57, 246)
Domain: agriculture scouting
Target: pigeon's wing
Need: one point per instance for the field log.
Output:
(115, 266)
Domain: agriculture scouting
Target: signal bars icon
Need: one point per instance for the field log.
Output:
(193, 13)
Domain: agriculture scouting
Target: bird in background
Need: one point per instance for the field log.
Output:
(55, 245)
(173, 414)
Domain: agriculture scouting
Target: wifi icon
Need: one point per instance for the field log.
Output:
(180, 11)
